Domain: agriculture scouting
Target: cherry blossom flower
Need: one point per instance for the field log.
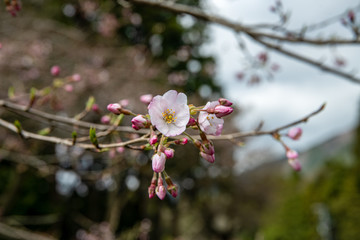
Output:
(209, 123)
(169, 113)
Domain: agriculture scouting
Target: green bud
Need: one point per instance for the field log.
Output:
(44, 131)
(90, 102)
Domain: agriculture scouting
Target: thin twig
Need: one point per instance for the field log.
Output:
(13, 233)
(256, 35)
(52, 139)
(65, 120)
(269, 132)
(307, 60)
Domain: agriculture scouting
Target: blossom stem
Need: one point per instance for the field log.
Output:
(189, 136)
(162, 139)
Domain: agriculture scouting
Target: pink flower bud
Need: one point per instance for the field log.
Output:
(291, 154)
(222, 111)
(295, 164)
(68, 88)
(160, 192)
(124, 102)
(76, 77)
(153, 139)
(95, 108)
(151, 191)
(55, 70)
(192, 122)
(139, 122)
(105, 119)
(114, 108)
(169, 152)
(158, 162)
(294, 133)
(207, 157)
(182, 141)
(146, 98)
(173, 190)
(120, 149)
(225, 102)
(208, 148)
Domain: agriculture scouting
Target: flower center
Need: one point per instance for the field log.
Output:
(208, 118)
(169, 116)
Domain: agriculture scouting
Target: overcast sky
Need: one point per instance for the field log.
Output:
(297, 89)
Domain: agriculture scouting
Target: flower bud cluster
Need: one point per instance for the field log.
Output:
(291, 155)
(169, 116)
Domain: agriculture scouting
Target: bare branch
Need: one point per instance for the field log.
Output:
(52, 139)
(13, 233)
(256, 35)
(238, 27)
(307, 60)
(257, 132)
(55, 118)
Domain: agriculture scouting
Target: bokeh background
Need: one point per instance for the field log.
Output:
(122, 52)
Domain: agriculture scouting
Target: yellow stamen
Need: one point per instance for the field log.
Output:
(169, 116)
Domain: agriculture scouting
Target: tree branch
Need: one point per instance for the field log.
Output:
(258, 132)
(304, 59)
(12, 233)
(29, 135)
(256, 35)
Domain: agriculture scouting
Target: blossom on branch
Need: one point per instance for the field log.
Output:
(158, 162)
(293, 159)
(169, 113)
(294, 133)
(209, 123)
(114, 108)
(146, 98)
(139, 122)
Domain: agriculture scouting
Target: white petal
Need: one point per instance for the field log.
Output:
(163, 128)
(170, 96)
(181, 99)
(174, 130)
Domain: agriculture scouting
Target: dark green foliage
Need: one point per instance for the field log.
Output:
(336, 188)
